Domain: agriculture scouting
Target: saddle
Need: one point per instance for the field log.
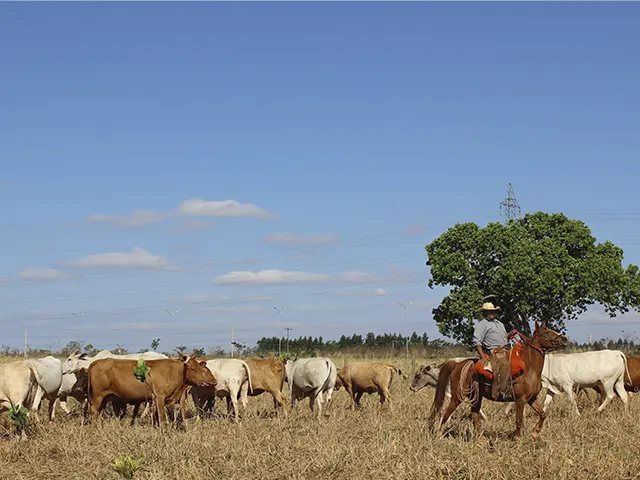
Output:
(517, 365)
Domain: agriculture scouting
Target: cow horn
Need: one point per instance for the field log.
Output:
(180, 354)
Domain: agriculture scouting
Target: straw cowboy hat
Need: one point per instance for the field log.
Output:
(489, 307)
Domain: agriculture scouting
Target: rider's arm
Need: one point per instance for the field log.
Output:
(478, 336)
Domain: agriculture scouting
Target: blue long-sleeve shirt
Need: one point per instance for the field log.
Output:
(490, 334)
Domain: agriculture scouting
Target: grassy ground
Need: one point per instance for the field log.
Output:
(388, 444)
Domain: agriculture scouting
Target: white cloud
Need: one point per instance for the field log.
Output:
(271, 277)
(138, 258)
(378, 292)
(137, 218)
(292, 239)
(280, 277)
(222, 208)
(42, 274)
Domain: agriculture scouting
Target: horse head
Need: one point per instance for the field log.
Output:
(549, 339)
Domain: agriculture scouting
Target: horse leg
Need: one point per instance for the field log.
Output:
(541, 416)
(453, 404)
(520, 403)
(475, 413)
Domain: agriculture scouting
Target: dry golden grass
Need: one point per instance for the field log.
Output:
(345, 445)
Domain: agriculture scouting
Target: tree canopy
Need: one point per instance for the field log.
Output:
(542, 266)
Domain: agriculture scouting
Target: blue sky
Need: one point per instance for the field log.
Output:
(160, 156)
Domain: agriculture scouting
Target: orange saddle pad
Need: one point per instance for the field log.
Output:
(515, 359)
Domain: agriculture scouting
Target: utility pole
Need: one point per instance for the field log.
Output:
(25, 341)
(232, 341)
(58, 344)
(406, 322)
(510, 206)
(288, 329)
(280, 337)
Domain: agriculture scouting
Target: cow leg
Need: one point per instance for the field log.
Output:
(233, 396)
(136, 409)
(572, 399)
(97, 405)
(160, 407)
(548, 399)
(384, 396)
(63, 404)
(35, 405)
(52, 408)
(622, 393)
(608, 388)
(357, 399)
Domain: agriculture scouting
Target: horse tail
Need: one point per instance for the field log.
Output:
(441, 387)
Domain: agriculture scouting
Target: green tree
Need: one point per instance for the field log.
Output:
(542, 266)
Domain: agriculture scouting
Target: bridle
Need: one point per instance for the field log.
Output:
(544, 336)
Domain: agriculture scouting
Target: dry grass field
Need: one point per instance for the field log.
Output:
(370, 443)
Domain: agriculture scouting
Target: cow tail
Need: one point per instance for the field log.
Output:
(246, 367)
(330, 368)
(626, 369)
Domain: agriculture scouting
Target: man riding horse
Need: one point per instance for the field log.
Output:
(491, 340)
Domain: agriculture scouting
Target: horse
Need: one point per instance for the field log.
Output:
(525, 387)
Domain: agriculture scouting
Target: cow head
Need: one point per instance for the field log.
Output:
(75, 362)
(197, 373)
(82, 382)
(339, 383)
(426, 375)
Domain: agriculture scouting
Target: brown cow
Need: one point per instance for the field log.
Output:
(168, 382)
(267, 375)
(361, 378)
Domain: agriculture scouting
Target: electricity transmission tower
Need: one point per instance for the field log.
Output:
(510, 207)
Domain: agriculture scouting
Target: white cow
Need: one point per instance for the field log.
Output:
(25, 382)
(78, 360)
(311, 377)
(48, 376)
(231, 374)
(563, 372)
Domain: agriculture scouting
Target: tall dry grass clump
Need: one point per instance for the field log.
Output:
(391, 443)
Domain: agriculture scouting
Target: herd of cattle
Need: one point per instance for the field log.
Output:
(107, 378)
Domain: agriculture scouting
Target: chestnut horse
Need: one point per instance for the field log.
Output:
(526, 387)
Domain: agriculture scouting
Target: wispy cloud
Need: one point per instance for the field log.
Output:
(377, 292)
(222, 208)
(36, 274)
(280, 277)
(137, 258)
(195, 207)
(292, 239)
(137, 218)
